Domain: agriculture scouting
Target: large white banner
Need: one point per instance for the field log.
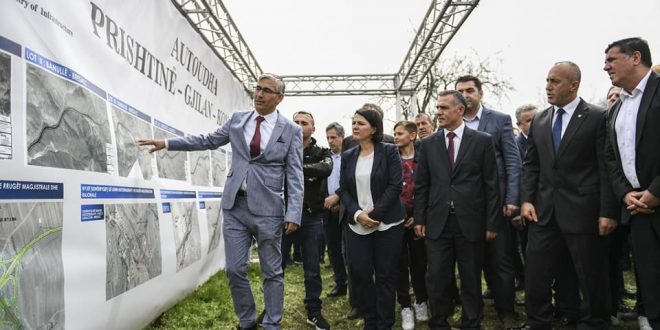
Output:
(96, 233)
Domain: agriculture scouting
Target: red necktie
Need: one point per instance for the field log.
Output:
(255, 144)
(450, 149)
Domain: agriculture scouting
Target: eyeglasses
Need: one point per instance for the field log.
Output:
(264, 90)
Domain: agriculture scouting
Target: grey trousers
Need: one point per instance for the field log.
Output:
(239, 227)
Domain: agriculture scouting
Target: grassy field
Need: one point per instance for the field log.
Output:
(210, 306)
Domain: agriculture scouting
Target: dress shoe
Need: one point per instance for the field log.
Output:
(260, 318)
(354, 314)
(565, 322)
(338, 291)
(254, 327)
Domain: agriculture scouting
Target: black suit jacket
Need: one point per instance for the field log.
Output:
(386, 183)
(573, 184)
(472, 186)
(647, 156)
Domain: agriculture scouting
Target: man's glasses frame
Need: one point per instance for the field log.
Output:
(264, 90)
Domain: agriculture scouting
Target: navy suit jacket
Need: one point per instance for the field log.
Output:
(386, 183)
(509, 164)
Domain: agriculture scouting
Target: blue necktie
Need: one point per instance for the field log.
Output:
(556, 130)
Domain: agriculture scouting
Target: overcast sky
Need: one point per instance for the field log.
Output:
(291, 37)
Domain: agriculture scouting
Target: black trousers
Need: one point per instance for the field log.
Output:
(443, 253)
(618, 239)
(646, 252)
(518, 247)
(412, 269)
(333, 233)
(375, 258)
(548, 251)
(499, 273)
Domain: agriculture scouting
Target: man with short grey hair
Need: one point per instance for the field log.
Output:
(266, 148)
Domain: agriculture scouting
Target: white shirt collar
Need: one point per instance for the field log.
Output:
(270, 118)
(477, 116)
(640, 87)
(570, 107)
(458, 131)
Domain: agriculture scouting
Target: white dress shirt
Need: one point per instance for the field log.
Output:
(569, 109)
(266, 130)
(363, 169)
(474, 123)
(457, 139)
(333, 179)
(626, 128)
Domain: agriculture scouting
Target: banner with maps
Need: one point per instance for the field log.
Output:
(95, 232)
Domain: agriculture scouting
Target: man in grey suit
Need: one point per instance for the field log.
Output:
(266, 155)
(498, 262)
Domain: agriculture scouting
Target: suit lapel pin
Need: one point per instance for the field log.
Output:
(580, 116)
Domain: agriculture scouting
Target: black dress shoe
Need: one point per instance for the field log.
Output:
(353, 314)
(565, 322)
(254, 327)
(260, 318)
(338, 291)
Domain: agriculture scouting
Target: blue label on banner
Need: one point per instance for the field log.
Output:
(91, 212)
(168, 128)
(166, 208)
(10, 46)
(62, 71)
(92, 191)
(210, 194)
(129, 109)
(202, 205)
(171, 194)
(31, 190)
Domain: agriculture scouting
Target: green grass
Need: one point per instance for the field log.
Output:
(210, 306)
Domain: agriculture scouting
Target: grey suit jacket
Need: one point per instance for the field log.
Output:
(266, 174)
(509, 164)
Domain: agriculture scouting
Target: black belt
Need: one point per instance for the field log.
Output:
(241, 193)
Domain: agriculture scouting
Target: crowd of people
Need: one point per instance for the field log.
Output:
(549, 211)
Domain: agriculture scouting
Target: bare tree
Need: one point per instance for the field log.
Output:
(445, 72)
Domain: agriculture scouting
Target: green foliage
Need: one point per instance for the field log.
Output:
(210, 306)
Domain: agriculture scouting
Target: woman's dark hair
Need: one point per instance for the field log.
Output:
(375, 120)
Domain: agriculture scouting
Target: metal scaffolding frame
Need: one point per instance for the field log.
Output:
(443, 19)
(212, 21)
(356, 84)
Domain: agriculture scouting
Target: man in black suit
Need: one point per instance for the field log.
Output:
(457, 208)
(568, 201)
(567, 299)
(634, 161)
(524, 115)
